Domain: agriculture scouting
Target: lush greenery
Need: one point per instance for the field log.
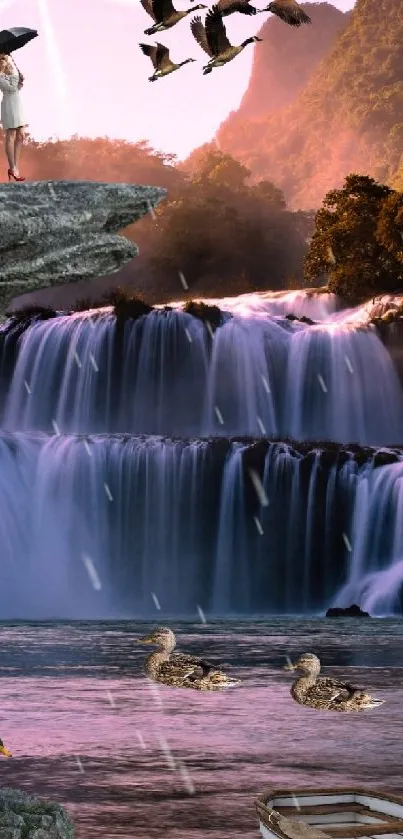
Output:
(282, 66)
(127, 306)
(348, 118)
(357, 245)
(223, 236)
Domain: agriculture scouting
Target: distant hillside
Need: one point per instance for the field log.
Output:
(348, 118)
(285, 61)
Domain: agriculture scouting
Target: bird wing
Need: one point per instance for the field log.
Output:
(226, 7)
(151, 51)
(332, 690)
(162, 57)
(216, 34)
(148, 7)
(199, 34)
(162, 9)
(184, 666)
(289, 11)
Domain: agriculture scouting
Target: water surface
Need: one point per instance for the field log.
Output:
(87, 729)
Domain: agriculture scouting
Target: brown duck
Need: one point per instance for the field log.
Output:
(289, 11)
(324, 693)
(164, 14)
(179, 670)
(228, 7)
(161, 61)
(212, 38)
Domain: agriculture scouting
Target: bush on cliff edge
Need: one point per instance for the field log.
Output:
(357, 246)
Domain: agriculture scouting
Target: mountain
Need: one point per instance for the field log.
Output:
(349, 116)
(284, 62)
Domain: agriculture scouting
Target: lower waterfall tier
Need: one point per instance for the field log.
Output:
(101, 526)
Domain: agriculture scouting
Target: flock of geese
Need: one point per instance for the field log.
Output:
(310, 689)
(210, 36)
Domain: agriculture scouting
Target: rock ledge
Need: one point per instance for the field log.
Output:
(57, 232)
(25, 817)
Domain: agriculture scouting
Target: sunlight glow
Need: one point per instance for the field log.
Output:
(65, 119)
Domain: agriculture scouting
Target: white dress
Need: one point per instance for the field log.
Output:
(12, 114)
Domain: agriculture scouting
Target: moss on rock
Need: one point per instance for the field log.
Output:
(24, 817)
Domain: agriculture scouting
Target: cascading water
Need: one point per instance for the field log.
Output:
(164, 374)
(182, 518)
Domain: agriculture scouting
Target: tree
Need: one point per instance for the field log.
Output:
(224, 235)
(390, 225)
(352, 245)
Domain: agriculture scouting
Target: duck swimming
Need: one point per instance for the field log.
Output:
(4, 751)
(178, 670)
(324, 693)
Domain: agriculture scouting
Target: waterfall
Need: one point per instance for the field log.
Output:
(375, 576)
(165, 375)
(139, 463)
(183, 521)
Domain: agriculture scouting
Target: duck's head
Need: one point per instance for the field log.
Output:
(4, 751)
(307, 663)
(161, 637)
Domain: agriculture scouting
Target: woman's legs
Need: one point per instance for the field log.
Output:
(10, 147)
(19, 139)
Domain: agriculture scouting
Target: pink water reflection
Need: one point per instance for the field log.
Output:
(233, 744)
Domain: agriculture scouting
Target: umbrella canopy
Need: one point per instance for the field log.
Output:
(15, 38)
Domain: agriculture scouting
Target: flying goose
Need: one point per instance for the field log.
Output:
(228, 7)
(324, 693)
(164, 14)
(161, 61)
(212, 38)
(179, 670)
(289, 11)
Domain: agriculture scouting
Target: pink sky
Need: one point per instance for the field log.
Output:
(86, 75)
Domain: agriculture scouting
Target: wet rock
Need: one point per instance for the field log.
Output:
(57, 232)
(25, 817)
(210, 315)
(302, 319)
(353, 611)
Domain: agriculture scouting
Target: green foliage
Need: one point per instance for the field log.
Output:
(349, 116)
(211, 315)
(86, 303)
(126, 304)
(357, 245)
(224, 235)
(31, 312)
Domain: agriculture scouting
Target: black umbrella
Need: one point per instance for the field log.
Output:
(15, 38)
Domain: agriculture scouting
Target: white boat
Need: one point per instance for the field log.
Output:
(340, 813)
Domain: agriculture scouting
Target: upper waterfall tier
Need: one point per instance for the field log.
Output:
(259, 374)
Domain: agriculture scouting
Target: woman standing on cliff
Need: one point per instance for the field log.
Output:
(12, 116)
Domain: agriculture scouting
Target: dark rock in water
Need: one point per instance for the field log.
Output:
(302, 319)
(25, 817)
(353, 611)
(58, 232)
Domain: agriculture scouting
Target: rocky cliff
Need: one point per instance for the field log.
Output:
(284, 63)
(348, 117)
(25, 817)
(58, 232)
